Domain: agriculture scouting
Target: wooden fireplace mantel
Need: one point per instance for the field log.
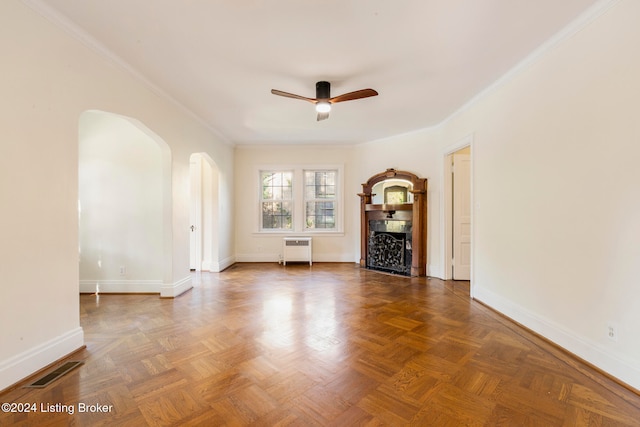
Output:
(416, 212)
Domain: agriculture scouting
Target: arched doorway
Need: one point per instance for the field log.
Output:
(124, 205)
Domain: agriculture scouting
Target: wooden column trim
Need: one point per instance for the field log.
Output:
(365, 199)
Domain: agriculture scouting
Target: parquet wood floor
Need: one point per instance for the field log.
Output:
(321, 345)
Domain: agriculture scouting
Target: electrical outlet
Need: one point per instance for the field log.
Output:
(612, 331)
(123, 270)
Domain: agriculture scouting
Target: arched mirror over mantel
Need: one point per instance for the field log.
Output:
(393, 223)
(392, 191)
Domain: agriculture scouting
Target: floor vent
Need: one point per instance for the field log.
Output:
(54, 375)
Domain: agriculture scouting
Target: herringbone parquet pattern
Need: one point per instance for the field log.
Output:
(331, 344)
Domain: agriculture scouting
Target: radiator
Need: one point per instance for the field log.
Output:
(296, 249)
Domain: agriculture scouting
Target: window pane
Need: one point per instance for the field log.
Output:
(320, 184)
(267, 193)
(327, 192)
(276, 185)
(287, 193)
(276, 215)
(320, 215)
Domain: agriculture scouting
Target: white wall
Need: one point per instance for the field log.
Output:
(48, 80)
(555, 153)
(418, 153)
(255, 247)
(556, 150)
(121, 206)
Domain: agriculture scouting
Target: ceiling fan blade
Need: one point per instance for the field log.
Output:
(292, 95)
(323, 116)
(358, 94)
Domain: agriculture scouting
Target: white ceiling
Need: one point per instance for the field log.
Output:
(221, 58)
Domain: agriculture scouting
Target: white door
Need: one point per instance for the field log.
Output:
(461, 217)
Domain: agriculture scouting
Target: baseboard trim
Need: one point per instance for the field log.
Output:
(434, 271)
(121, 286)
(226, 263)
(276, 258)
(257, 258)
(25, 364)
(216, 267)
(177, 288)
(623, 371)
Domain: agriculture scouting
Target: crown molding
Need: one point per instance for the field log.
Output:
(575, 26)
(78, 33)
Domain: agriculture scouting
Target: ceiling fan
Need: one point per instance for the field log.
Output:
(323, 99)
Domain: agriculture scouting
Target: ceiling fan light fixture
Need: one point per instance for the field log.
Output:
(323, 99)
(323, 106)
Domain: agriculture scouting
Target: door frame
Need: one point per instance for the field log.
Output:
(447, 208)
(461, 194)
(195, 212)
(204, 213)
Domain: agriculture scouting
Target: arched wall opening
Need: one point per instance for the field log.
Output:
(124, 205)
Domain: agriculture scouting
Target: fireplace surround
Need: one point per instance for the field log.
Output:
(393, 223)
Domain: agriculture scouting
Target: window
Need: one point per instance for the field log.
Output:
(296, 199)
(320, 199)
(276, 200)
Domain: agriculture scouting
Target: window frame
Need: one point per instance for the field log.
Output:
(307, 200)
(299, 200)
(262, 201)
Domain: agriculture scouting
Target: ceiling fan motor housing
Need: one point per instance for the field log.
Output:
(323, 90)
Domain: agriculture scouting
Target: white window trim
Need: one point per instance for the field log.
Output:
(261, 200)
(299, 201)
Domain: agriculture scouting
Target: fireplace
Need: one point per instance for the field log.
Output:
(389, 246)
(393, 222)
